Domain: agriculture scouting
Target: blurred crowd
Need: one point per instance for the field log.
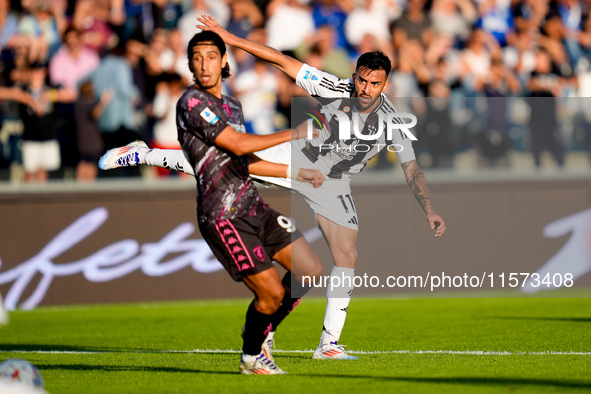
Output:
(78, 77)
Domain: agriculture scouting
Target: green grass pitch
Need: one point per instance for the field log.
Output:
(415, 345)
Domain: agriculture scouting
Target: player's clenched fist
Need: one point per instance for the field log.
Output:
(314, 177)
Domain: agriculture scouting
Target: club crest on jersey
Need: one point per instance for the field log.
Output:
(310, 76)
(209, 116)
(259, 253)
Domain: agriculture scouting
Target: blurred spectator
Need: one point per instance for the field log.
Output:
(545, 85)
(289, 24)
(411, 71)
(257, 91)
(521, 56)
(440, 46)
(18, 95)
(159, 57)
(570, 14)
(552, 41)
(476, 59)
(453, 18)
(89, 139)
(414, 24)
(17, 63)
(111, 11)
(40, 147)
(243, 59)
(8, 25)
(10, 98)
(334, 13)
(493, 139)
(496, 18)
(245, 16)
(96, 33)
(134, 55)
(333, 59)
(72, 62)
(68, 66)
(218, 9)
(164, 55)
(530, 15)
(487, 48)
(371, 18)
(585, 41)
(168, 92)
(44, 27)
(174, 57)
(436, 133)
(165, 13)
(133, 25)
(117, 122)
(370, 43)
(444, 73)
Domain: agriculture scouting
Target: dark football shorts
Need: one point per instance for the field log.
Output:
(246, 245)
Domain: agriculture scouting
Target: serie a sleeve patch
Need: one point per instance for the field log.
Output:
(209, 116)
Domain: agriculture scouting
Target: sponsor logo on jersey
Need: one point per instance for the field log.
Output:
(310, 76)
(209, 116)
(193, 102)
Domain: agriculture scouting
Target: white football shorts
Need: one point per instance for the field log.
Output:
(41, 155)
(332, 200)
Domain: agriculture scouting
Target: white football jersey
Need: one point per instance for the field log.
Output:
(339, 158)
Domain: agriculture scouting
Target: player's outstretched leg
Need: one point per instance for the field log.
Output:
(131, 154)
(138, 153)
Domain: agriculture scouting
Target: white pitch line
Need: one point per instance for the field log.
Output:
(233, 351)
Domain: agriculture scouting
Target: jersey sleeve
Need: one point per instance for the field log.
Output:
(405, 152)
(204, 119)
(322, 84)
(402, 143)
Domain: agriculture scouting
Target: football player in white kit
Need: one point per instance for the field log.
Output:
(360, 97)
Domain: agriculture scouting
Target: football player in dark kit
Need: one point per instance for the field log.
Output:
(243, 232)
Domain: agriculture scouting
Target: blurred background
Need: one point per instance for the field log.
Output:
(508, 78)
(500, 89)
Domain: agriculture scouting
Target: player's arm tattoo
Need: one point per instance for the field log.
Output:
(418, 184)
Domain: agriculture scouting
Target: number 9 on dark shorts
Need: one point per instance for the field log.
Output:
(246, 245)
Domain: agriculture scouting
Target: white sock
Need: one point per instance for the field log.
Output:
(171, 159)
(247, 358)
(337, 303)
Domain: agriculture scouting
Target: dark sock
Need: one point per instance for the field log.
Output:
(256, 328)
(287, 304)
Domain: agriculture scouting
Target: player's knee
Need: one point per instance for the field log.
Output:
(271, 301)
(346, 257)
